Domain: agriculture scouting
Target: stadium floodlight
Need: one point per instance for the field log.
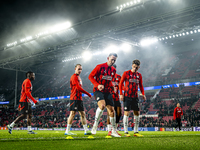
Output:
(125, 47)
(23, 40)
(191, 32)
(138, 1)
(127, 4)
(163, 39)
(183, 34)
(174, 36)
(170, 36)
(198, 30)
(187, 33)
(135, 1)
(180, 34)
(117, 7)
(28, 38)
(160, 39)
(12, 44)
(148, 41)
(166, 38)
(195, 31)
(60, 27)
(131, 3)
(87, 55)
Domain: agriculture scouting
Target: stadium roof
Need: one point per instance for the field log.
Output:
(155, 18)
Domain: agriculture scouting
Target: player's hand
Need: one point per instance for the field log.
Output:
(144, 98)
(18, 108)
(121, 97)
(100, 87)
(115, 89)
(90, 96)
(37, 103)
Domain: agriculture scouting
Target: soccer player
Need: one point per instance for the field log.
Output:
(76, 102)
(117, 104)
(101, 76)
(177, 115)
(25, 103)
(132, 79)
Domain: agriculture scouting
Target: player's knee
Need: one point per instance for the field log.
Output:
(102, 107)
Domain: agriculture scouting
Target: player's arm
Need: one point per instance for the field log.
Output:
(79, 88)
(181, 112)
(121, 86)
(142, 88)
(174, 114)
(28, 91)
(94, 74)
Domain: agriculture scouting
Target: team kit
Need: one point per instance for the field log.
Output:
(109, 89)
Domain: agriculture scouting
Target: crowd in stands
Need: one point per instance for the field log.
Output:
(56, 114)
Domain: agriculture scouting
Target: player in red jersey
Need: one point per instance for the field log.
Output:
(117, 104)
(25, 103)
(101, 76)
(177, 115)
(76, 102)
(132, 79)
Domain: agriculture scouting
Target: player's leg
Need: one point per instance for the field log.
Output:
(108, 124)
(137, 121)
(84, 122)
(111, 112)
(135, 107)
(99, 112)
(125, 121)
(118, 115)
(72, 109)
(179, 124)
(127, 108)
(23, 110)
(69, 123)
(10, 126)
(29, 117)
(99, 96)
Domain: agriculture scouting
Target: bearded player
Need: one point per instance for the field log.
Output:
(117, 104)
(132, 79)
(76, 102)
(25, 103)
(101, 77)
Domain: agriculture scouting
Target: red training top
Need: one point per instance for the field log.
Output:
(177, 113)
(132, 79)
(115, 83)
(76, 88)
(26, 92)
(102, 74)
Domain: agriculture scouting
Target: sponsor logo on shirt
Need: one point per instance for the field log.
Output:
(107, 78)
(134, 80)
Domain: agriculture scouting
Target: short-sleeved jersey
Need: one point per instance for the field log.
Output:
(26, 92)
(177, 113)
(132, 80)
(102, 74)
(115, 83)
(76, 88)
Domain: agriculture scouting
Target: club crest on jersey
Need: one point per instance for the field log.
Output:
(75, 107)
(117, 79)
(125, 108)
(112, 73)
(98, 98)
(137, 76)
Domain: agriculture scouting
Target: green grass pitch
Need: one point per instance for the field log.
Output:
(47, 140)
